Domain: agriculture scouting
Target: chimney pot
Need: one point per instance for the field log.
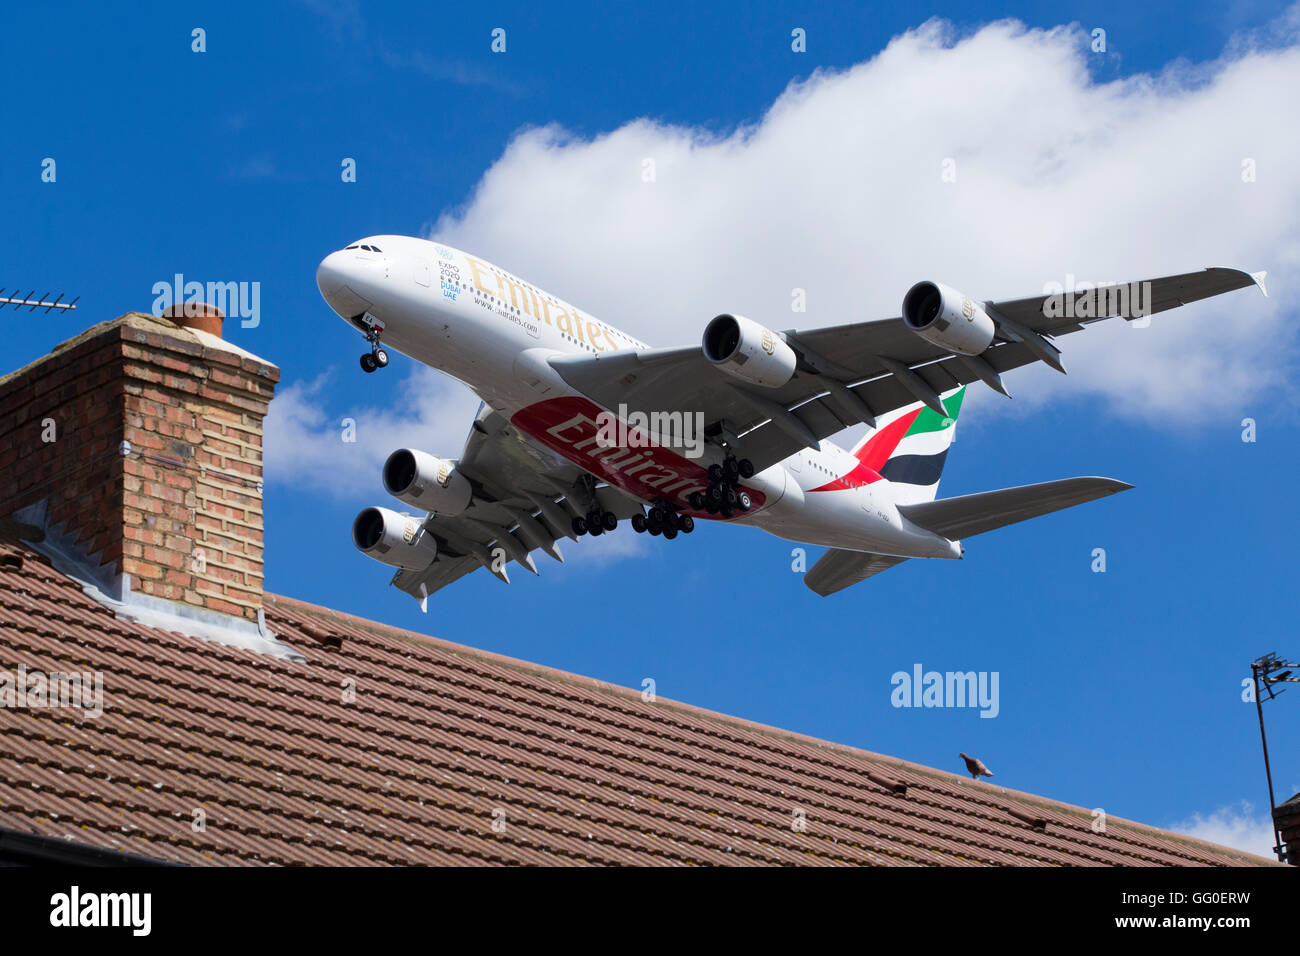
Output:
(196, 315)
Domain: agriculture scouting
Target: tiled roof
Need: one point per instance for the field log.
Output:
(442, 742)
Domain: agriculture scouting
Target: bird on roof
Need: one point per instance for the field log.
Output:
(976, 767)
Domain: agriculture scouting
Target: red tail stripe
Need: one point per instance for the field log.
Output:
(881, 445)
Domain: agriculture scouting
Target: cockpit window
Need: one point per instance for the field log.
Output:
(346, 248)
(373, 248)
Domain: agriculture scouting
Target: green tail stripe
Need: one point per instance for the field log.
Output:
(931, 421)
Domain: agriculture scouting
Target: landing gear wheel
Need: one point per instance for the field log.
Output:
(672, 521)
(381, 358)
(730, 470)
(368, 363)
(728, 498)
(711, 507)
(746, 468)
(697, 500)
(595, 530)
(687, 524)
(654, 530)
(579, 526)
(715, 474)
(638, 523)
(670, 533)
(655, 522)
(727, 511)
(609, 521)
(714, 494)
(743, 501)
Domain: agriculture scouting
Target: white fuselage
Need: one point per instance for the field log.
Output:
(493, 331)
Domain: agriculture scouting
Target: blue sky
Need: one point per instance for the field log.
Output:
(1118, 690)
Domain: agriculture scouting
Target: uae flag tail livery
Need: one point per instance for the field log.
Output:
(909, 446)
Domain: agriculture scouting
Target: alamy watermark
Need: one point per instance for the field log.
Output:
(242, 300)
(1080, 299)
(922, 688)
(83, 690)
(684, 430)
(74, 909)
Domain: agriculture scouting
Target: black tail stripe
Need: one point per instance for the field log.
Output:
(915, 469)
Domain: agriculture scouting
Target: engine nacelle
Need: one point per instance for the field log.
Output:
(947, 318)
(399, 540)
(744, 349)
(426, 481)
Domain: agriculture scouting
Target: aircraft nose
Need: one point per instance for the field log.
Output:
(330, 274)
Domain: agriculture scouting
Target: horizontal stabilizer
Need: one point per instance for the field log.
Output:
(970, 515)
(836, 570)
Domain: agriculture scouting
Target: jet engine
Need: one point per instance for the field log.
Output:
(426, 481)
(398, 540)
(745, 350)
(948, 319)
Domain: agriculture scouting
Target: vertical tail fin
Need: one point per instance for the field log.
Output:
(910, 445)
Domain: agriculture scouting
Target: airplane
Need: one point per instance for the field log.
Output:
(582, 426)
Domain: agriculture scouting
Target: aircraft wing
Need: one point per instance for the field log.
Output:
(850, 373)
(524, 499)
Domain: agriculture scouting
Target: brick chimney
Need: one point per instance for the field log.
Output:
(137, 448)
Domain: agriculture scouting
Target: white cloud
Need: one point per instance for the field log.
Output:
(837, 190)
(304, 432)
(1239, 827)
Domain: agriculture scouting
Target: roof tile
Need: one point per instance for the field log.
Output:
(449, 755)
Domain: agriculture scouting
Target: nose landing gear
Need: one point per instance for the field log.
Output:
(376, 357)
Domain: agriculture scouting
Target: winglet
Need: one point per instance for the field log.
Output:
(1259, 281)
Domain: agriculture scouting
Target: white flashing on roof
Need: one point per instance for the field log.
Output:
(217, 342)
(103, 584)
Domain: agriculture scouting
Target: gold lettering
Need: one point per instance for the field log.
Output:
(562, 321)
(517, 292)
(474, 266)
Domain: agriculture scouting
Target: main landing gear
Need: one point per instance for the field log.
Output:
(596, 522)
(376, 357)
(724, 495)
(663, 518)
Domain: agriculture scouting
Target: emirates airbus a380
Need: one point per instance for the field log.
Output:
(582, 425)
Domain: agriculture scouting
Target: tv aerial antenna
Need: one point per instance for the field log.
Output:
(1269, 671)
(43, 302)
